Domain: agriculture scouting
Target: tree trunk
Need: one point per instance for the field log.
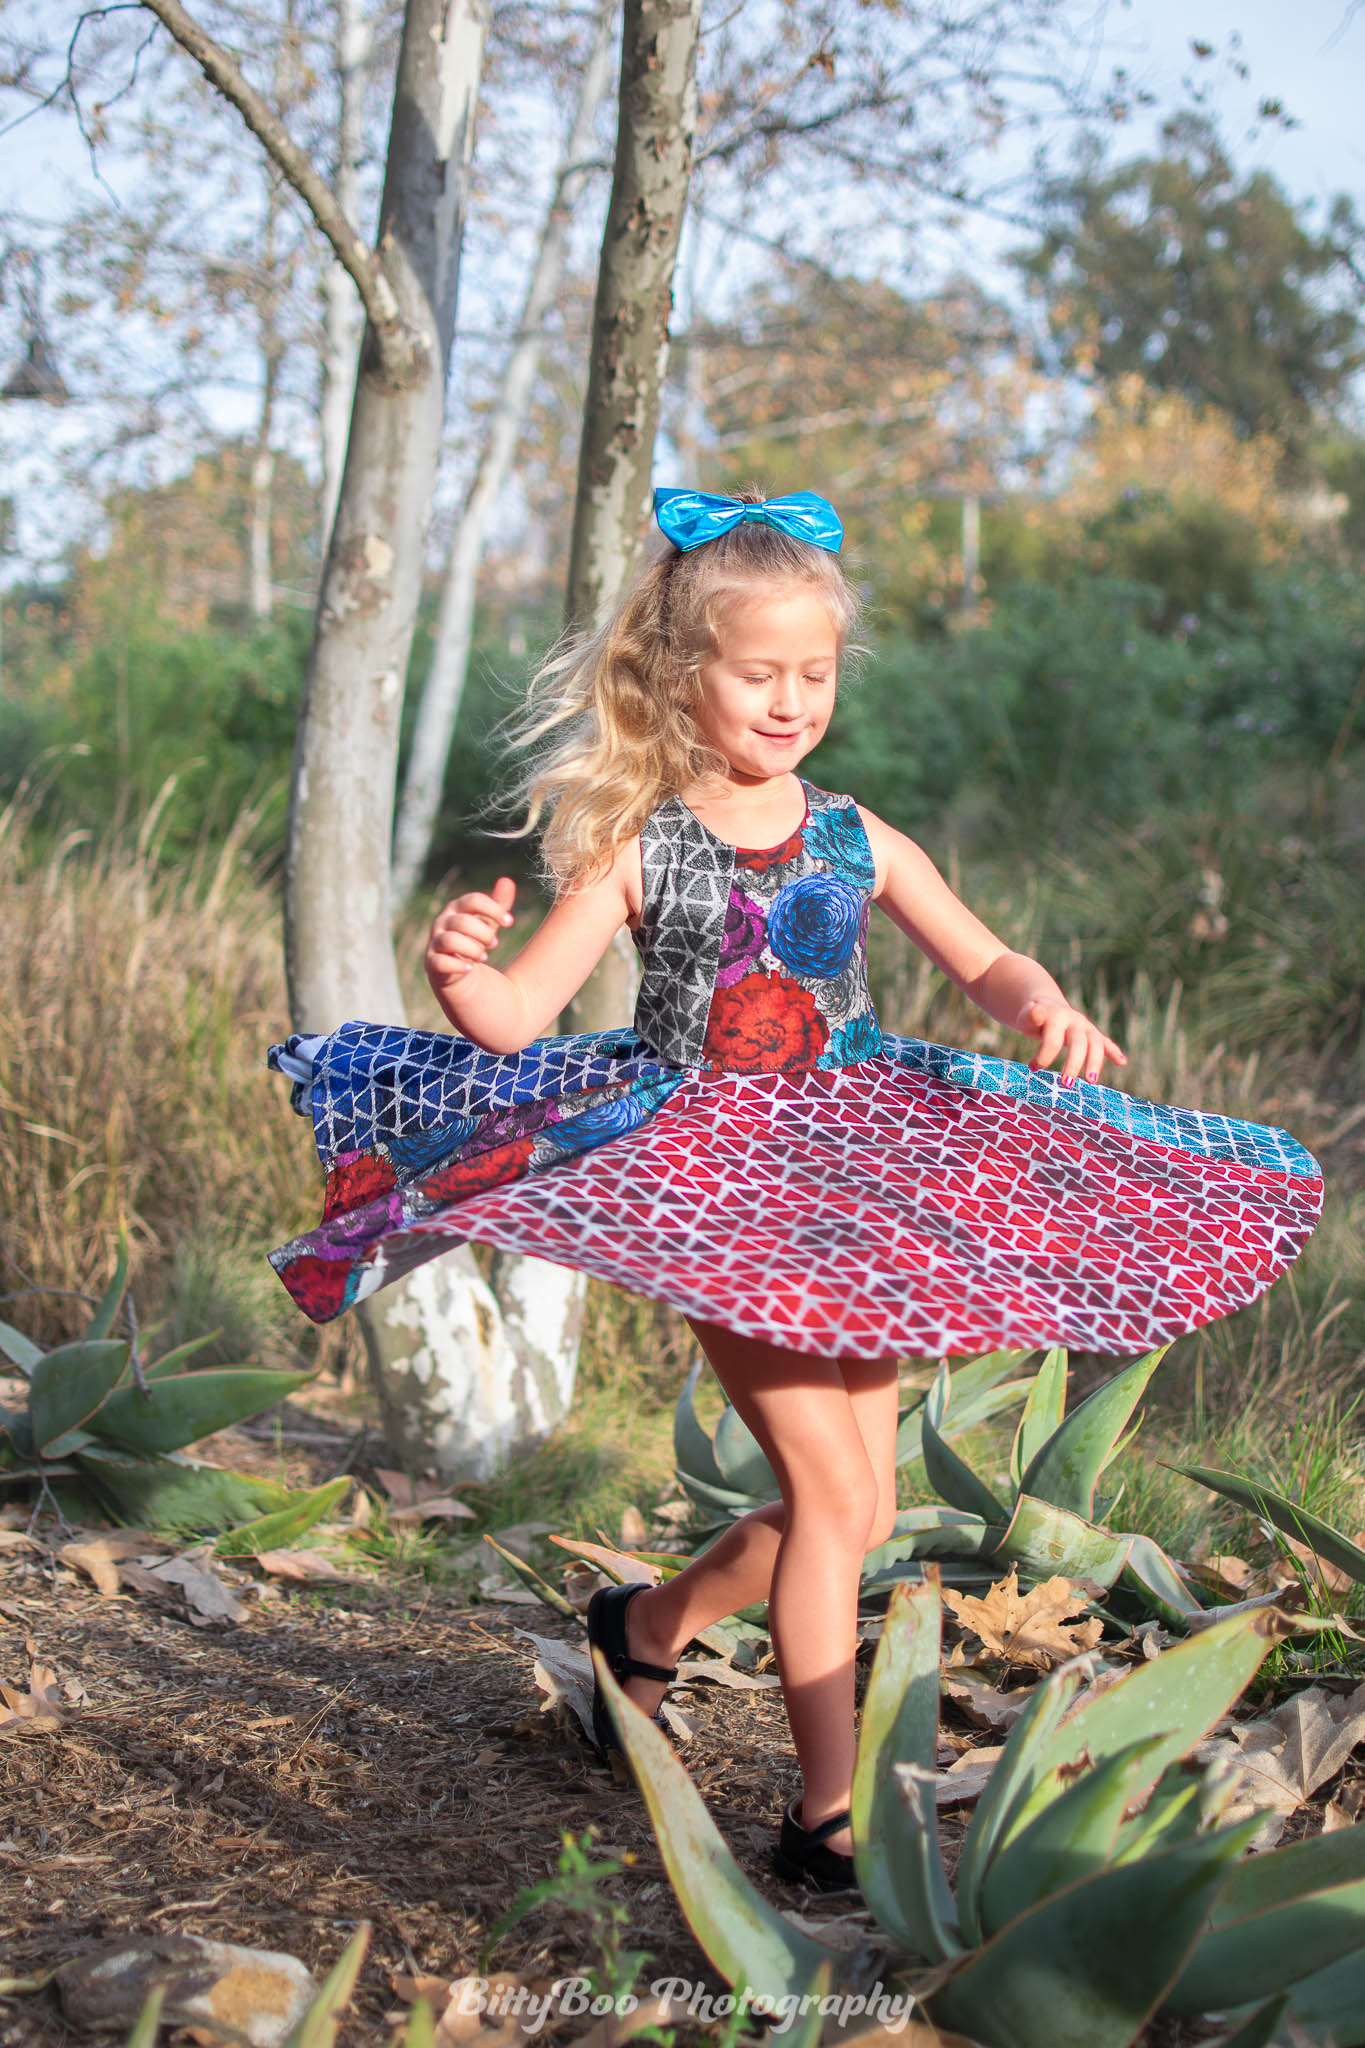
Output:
(634, 299)
(439, 709)
(338, 950)
(342, 317)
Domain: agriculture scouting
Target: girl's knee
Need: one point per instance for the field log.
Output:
(847, 1510)
(883, 1524)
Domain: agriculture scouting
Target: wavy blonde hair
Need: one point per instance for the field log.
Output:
(609, 727)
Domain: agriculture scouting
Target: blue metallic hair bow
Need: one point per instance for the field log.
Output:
(691, 517)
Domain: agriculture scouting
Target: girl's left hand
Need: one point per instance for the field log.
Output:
(1058, 1025)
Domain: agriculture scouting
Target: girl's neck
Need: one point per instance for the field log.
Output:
(749, 811)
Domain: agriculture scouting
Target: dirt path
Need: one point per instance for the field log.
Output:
(321, 1763)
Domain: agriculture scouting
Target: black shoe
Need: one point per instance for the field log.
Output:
(606, 1620)
(801, 1853)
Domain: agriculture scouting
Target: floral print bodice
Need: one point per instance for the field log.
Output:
(755, 958)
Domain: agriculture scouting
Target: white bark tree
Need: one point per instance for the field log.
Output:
(444, 687)
(343, 316)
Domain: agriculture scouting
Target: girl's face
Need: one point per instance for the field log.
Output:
(767, 697)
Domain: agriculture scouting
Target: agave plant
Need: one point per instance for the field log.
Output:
(1311, 1530)
(1098, 1884)
(85, 1419)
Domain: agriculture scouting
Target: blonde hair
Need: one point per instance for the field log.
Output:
(610, 726)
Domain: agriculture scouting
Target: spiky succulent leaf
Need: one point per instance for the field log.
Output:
(69, 1385)
(1071, 1839)
(1088, 1966)
(1046, 1541)
(1042, 1417)
(1279, 1917)
(948, 1475)
(1067, 1468)
(930, 1532)
(691, 1444)
(967, 1411)
(1329, 2006)
(743, 1465)
(1320, 1536)
(189, 1406)
(102, 1322)
(899, 1866)
(285, 1525)
(1161, 1587)
(19, 1349)
(1173, 1815)
(174, 1493)
(1008, 1788)
(747, 1939)
(1179, 1696)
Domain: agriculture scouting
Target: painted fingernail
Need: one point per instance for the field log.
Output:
(1068, 1080)
(1092, 1077)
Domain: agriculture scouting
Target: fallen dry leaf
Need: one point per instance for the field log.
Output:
(406, 1494)
(581, 1581)
(968, 1778)
(97, 1561)
(18, 1539)
(436, 1507)
(39, 1710)
(719, 1671)
(971, 1691)
(303, 1565)
(1287, 1757)
(1030, 1628)
(207, 1596)
(634, 1534)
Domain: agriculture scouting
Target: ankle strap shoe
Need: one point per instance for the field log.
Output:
(606, 1622)
(801, 1854)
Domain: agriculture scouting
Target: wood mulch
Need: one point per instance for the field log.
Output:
(373, 1753)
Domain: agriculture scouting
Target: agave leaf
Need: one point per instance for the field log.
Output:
(66, 1446)
(1071, 1838)
(1171, 1816)
(1330, 2005)
(102, 1322)
(276, 1531)
(747, 1939)
(740, 1457)
(318, 2027)
(1320, 1536)
(172, 1361)
(190, 1406)
(1088, 1966)
(899, 1867)
(980, 1374)
(692, 1448)
(1008, 1788)
(1261, 2028)
(1044, 1540)
(1067, 1468)
(967, 1412)
(1152, 1574)
(1042, 1416)
(1178, 1696)
(722, 1499)
(19, 1349)
(948, 1475)
(69, 1384)
(531, 1578)
(16, 1428)
(174, 1494)
(929, 1532)
(1279, 1917)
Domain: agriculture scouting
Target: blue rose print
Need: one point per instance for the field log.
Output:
(859, 1039)
(837, 835)
(594, 1126)
(419, 1149)
(813, 925)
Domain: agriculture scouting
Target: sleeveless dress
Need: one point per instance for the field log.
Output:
(756, 1151)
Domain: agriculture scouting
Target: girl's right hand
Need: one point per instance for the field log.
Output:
(463, 934)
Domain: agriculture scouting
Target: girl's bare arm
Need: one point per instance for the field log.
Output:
(1011, 987)
(503, 1009)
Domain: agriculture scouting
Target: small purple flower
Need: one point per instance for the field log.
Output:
(743, 940)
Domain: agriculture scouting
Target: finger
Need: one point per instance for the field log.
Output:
(1054, 1037)
(505, 894)
(1115, 1052)
(500, 912)
(1077, 1046)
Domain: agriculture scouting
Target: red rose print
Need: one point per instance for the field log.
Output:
(317, 1285)
(470, 1176)
(765, 1024)
(761, 859)
(361, 1178)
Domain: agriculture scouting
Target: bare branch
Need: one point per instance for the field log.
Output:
(397, 344)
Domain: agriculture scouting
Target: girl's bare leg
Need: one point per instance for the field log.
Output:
(828, 1429)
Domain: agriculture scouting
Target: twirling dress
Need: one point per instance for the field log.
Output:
(758, 1152)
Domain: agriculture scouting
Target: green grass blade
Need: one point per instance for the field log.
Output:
(19, 1349)
(102, 1322)
(1087, 1967)
(69, 1385)
(1043, 1414)
(1071, 1839)
(148, 2020)
(1320, 1536)
(692, 1447)
(285, 1526)
(190, 1406)
(318, 2027)
(1009, 1786)
(1067, 1468)
(900, 1726)
(948, 1475)
(747, 1939)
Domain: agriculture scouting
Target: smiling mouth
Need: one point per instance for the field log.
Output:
(796, 734)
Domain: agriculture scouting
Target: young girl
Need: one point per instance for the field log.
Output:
(817, 1197)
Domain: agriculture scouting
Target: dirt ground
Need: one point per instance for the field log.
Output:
(341, 1755)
